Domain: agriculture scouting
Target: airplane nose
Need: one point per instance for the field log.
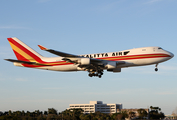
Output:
(171, 54)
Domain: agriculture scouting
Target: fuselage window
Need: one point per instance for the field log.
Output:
(159, 48)
(113, 54)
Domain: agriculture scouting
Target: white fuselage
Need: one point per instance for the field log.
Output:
(132, 57)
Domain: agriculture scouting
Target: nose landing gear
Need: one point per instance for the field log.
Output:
(156, 69)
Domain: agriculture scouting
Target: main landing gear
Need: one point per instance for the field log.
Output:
(96, 74)
(156, 69)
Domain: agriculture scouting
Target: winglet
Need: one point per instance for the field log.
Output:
(42, 47)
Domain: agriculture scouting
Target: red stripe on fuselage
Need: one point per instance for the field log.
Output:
(119, 58)
(142, 56)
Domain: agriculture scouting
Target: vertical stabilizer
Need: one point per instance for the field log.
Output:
(24, 52)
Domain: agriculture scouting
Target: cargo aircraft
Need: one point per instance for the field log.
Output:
(95, 64)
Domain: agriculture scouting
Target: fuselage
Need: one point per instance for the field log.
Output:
(132, 57)
(95, 64)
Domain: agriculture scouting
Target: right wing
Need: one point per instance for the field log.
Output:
(58, 53)
(84, 62)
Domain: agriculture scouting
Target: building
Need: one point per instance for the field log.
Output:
(95, 106)
(170, 117)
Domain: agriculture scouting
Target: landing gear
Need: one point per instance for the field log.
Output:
(96, 74)
(156, 69)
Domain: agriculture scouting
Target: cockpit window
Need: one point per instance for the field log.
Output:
(159, 48)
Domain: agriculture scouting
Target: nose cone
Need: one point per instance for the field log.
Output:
(171, 54)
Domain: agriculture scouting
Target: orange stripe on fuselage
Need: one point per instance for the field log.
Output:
(131, 57)
(117, 58)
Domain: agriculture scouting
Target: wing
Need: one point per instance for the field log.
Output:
(84, 62)
(62, 54)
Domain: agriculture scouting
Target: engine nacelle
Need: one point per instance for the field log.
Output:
(114, 70)
(84, 61)
(111, 65)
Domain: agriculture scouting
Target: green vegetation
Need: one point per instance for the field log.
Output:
(51, 114)
(155, 113)
(77, 114)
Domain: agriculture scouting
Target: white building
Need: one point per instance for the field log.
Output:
(95, 106)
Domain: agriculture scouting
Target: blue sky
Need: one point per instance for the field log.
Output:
(82, 27)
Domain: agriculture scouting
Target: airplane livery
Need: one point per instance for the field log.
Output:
(95, 64)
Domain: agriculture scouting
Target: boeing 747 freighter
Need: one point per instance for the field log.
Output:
(95, 64)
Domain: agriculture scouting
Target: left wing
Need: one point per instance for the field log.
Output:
(25, 62)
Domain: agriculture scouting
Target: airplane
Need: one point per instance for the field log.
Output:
(95, 64)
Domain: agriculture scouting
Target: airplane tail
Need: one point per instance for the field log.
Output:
(24, 52)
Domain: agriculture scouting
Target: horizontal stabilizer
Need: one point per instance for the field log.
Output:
(25, 62)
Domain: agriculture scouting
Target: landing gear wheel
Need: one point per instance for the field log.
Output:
(99, 76)
(90, 75)
(96, 73)
(156, 69)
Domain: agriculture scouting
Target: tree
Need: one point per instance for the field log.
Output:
(6, 113)
(155, 114)
(142, 113)
(132, 114)
(45, 113)
(124, 114)
(10, 112)
(23, 113)
(52, 111)
(1, 113)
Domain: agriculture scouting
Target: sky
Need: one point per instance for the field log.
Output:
(85, 27)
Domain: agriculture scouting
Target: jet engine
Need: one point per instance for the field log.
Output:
(111, 65)
(84, 61)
